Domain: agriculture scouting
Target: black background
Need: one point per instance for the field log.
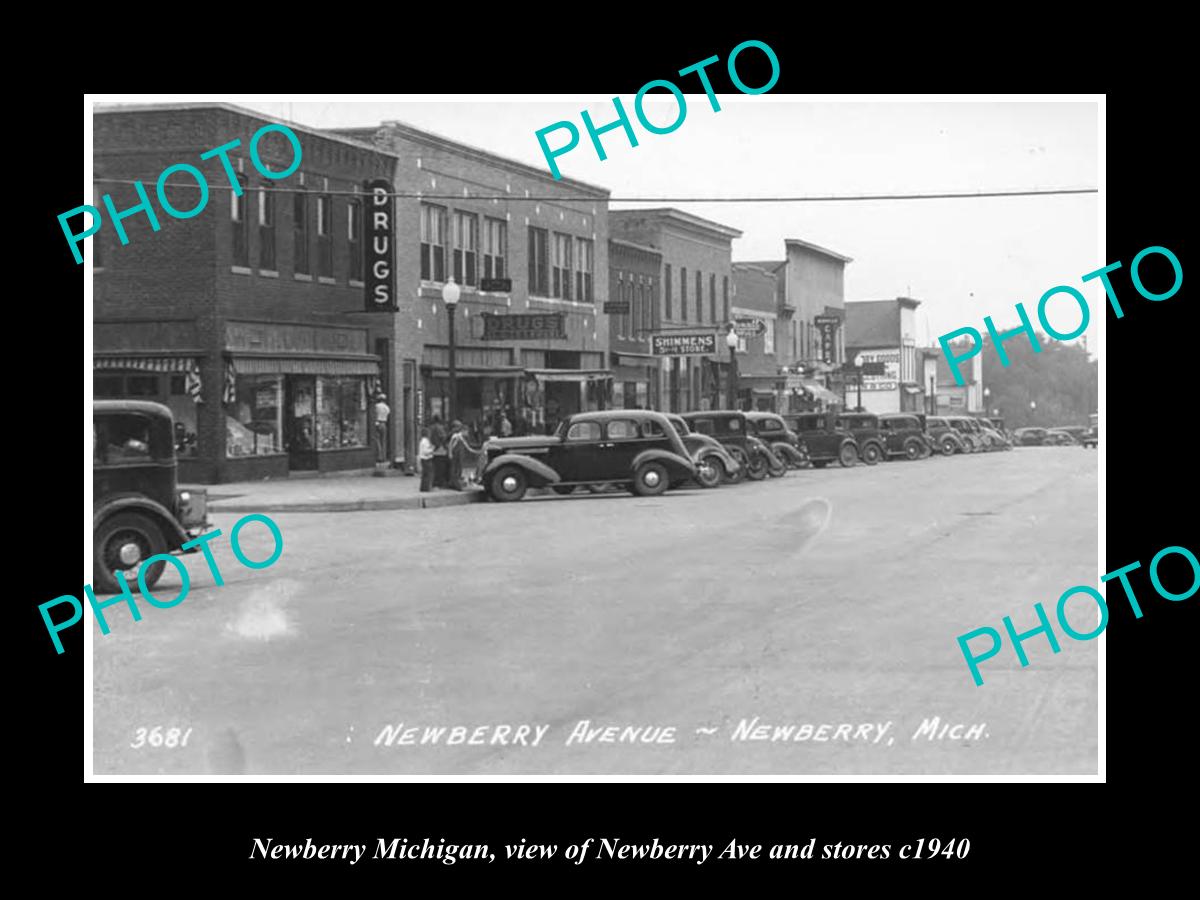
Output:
(1024, 836)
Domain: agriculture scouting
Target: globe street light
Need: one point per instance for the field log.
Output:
(450, 295)
(858, 364)
(731, 341)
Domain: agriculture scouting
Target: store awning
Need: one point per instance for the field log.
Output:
(912, 388)
(820, 392)
(305, 365)
(577, 375)
(189, 366)
(476, 371)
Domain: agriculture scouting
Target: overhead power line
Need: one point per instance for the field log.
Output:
(813, 198)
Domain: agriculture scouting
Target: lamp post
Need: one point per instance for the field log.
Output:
(731, 341)
(987, 393)
(1032, 409)
(450, 295)
(858, 364)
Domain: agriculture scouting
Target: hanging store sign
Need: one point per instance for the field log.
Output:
(379, 213)
(687, 343)
(748, 326)
(524, 326)
(827, 326)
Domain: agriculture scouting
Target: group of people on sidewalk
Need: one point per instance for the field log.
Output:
(447, 460)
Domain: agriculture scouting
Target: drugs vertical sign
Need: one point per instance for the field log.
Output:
(379, 213)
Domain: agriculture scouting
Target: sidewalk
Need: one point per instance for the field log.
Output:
(336, 493)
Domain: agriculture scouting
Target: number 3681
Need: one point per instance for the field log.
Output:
(160, 737)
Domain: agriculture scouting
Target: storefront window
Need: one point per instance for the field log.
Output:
(341, 413)
(254, 422)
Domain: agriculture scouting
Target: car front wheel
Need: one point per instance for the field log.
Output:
(948, 447)
(913, 449)
(650, 479)
(123, 542)
(509, 484)
(847, 456)
(709, 471)
(756, 467)
(871, 454)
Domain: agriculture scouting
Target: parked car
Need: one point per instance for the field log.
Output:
(1091, 437)
(968, 430)
(1075, 431)
(784, 443)
(138, 509)
(996, 439)
(1060, 437)
(631, 448)
(1030, 437)
(905, 436)
(870, 438)
(714, 463)
(732, 429)
(944, 436)
(825, 441)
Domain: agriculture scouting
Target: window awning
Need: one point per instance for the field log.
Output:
(820, 392)
(305, 365)
(475, 371)
(189, 366)
(577, 375)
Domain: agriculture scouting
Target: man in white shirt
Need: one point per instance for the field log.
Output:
(382, 412)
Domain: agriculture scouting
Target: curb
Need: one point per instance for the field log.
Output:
(438, 500)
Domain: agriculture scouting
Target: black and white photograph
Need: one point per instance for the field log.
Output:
(681, 435)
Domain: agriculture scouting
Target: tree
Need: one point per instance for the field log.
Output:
(1059, 378)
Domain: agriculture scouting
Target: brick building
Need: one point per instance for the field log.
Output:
(240, 318)
(759, 362)
(810, 327)
(697, 293)
(471, 214)
(634, 279)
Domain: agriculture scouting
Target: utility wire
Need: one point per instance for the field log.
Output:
(414, 195)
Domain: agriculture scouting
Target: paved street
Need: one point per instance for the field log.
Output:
(712, 613)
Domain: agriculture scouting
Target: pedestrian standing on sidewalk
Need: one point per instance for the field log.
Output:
(441, 458)
(463, 457)
(382, 413)
(425, 461)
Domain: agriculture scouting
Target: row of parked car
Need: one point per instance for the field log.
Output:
(649, 452)
(1064, 435)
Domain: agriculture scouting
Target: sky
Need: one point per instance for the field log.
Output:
(963, 259)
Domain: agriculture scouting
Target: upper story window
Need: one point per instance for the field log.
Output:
(325, 236)
(466, 248)
(712, 298)
(725, 297)
(667, 316)
(354, 238)
(495, 248)
(433, 242)
(682, 294)
(560, 276)
(699, 298)
(266, 228)
(300, 233)
(241, 231)
(539, 268)
(585, 263)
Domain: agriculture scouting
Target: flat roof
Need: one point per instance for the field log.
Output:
(350, 135)
(633, 246)
(110, 109)
(438, 140)
(823, 250)
(678, 215)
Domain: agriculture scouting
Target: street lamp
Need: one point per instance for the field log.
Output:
(858, 364)
(450, 295)
(1032, 409)
(731, 341)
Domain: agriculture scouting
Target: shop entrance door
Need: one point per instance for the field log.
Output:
(299, 421)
